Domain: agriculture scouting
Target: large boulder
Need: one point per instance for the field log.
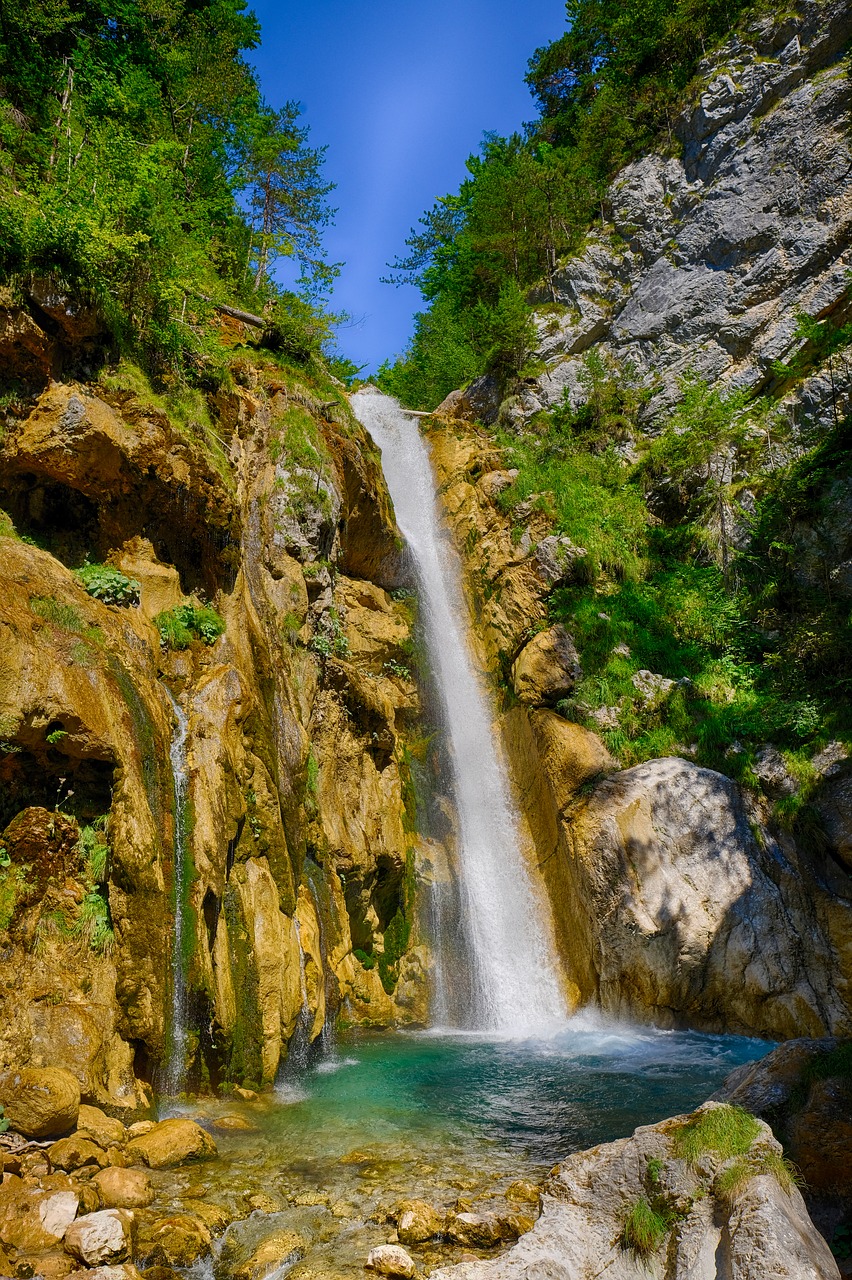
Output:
(745, 1227)
(76, 1152)
(101, 1238)
(547, 669)
(478, 402)
(40, 1102)
(691, 913)
(103, 1129)
(33, 1221)
(170, 1143)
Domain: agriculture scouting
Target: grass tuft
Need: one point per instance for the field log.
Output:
(189, 621)
(644, 1229)
(737, 1175)
(725, 1131)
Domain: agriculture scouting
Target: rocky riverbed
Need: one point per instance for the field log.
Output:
(247, 1186)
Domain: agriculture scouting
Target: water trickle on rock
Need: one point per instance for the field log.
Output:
(513, 984)
(174, 1076)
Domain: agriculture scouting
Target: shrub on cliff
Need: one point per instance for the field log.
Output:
(187, 622)
(108, 584)
(606, 89)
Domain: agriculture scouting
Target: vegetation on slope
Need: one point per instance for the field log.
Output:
(692, 530)
(141, 171)
(692, 570)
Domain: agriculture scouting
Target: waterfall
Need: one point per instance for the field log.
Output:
(299, 1048)
(513, 973)
(178, 1032)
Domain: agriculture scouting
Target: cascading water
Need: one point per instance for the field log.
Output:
(178, 1035)
(514, 983)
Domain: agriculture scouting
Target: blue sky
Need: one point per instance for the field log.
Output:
(401, 92)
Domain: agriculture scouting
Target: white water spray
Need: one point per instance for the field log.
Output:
(515, 988)
(176, 1063)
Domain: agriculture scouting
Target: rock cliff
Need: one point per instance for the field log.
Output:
(675, 897)
(298, 698)
(708, 254)
(678, 895)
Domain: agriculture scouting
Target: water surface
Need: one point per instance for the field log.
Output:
(450, 1118)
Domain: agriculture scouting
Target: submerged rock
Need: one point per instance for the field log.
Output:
(391, 1260)
(275, 1252)
(475, 1230)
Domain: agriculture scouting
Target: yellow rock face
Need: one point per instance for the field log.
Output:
(294, 748)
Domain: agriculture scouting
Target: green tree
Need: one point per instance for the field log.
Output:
(286, 197)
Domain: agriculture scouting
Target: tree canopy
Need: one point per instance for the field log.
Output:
(140, 164)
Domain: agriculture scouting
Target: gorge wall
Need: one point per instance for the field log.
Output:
(679, 895)
(299, 813)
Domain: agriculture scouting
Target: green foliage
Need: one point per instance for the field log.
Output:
(297, 445)
(67, 618)
(591, 502)
(820, 341)
(108, 584)
(726, 1131)
(365, 960)
(187, 622)
(607, 89)
(616, 77)
(143, 171)
(395, 939)
(94, 851)
(185, 406)
(736, 1175)
(331, 641)
(757, 655)
(4, 1123)
(94, 924)
(707, 438)
(644, 1229)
